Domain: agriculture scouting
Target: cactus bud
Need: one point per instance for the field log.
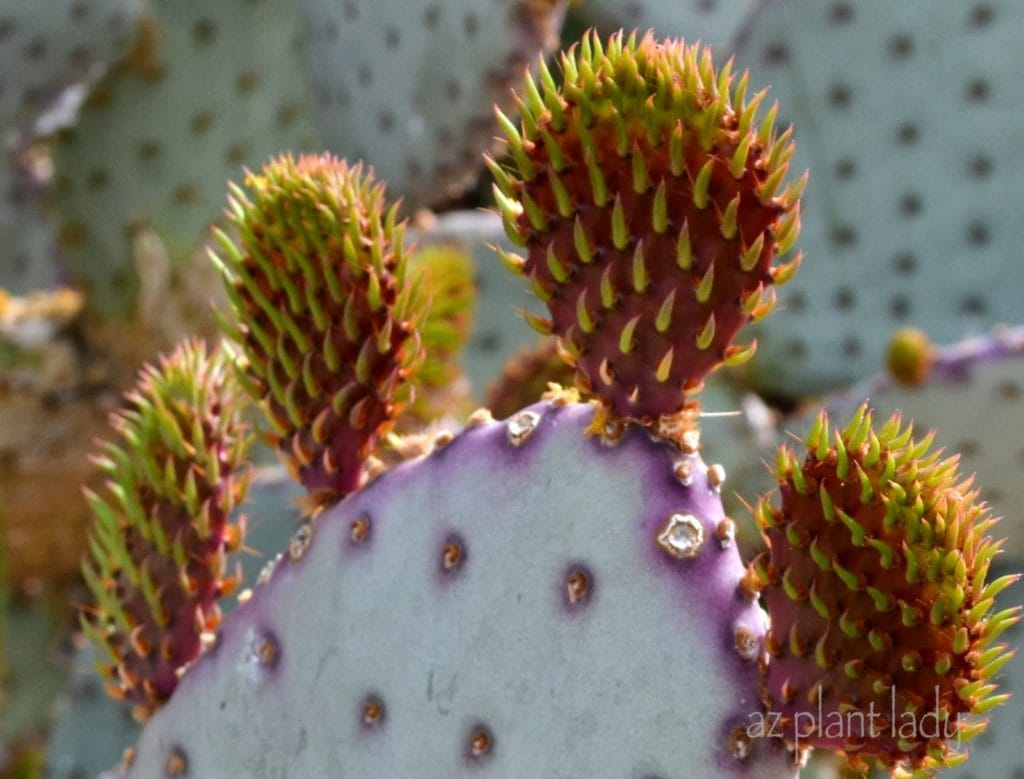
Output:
(317, 283)
(645, 195)
(882, 632)
(161, 533)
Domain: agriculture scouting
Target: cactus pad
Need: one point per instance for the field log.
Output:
(160, 539)
(214, 87)
(901, 111)
(651, 206)
(875, 584)
(48, 45)
(459, 615)
(316, 282)
(407, 85)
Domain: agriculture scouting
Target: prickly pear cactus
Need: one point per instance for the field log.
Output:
(162, 532)
(327, 325)
(213, 87)
(649, 198)
(882, 635)
(48, 45)
(972, 394)
(901, 112)
(407, 85)
(610, 607)
(91, 731)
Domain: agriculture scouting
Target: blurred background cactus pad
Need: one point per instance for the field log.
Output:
(298, 479)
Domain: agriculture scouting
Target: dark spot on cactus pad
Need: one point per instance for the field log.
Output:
(148, 150)
(203, 31)
(844, 299)
(79, 11)
(775, 53)
(796, 349)
(452, 89)
(480, 743)
(186, 194)
(201, 122)
(977, 91)
(287, 114)
(705, 6)
(488, 342)
(978, 233)
(36, 48)
(351, 10)
(266, 650)
(910, 204)
(1009, 390)
(981, 15)
(247, 81)
(899, 306)
(177, 763)
(839, 96)
(739, 742)
(795, 300)
(908, 133)
(901, 46)
(386, 122)
(851, 346)
(843, 236)
(371, 711)
(364, 74)
(973, 305)
(453, 555)
(980, 166)
(359, 530)
(97, 179)
(578, 587)
(236, 152)
(905, 264)
(840, 13)
(471, 24)
(431, 16)
(845, 169)
(392, 38)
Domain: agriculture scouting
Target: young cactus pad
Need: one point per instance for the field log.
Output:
(882, 628)
(159, 543)
(468, 613)
(651, 206)
(316, 281)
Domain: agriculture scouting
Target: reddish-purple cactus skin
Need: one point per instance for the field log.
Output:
(651, 208)
(159, 543)
(882, 631)
(317, 283)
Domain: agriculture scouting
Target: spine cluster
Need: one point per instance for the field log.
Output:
(650, 201)
(882, 636)
(162, 529)
(317, 285)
